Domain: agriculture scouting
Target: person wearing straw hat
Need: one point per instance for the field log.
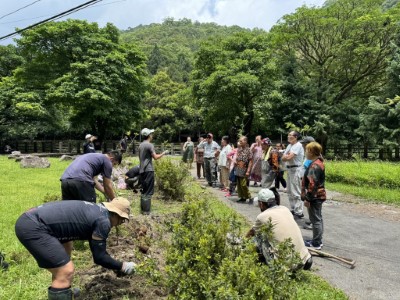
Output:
(47, 232)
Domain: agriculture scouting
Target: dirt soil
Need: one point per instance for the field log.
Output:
(142, 241)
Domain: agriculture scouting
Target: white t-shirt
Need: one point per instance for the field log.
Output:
(298, 150)
(222, 159)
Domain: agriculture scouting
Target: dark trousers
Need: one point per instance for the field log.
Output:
(315, 214)
(78, 190)
(199, 166)
(279, 179)
(147, 191)
(209, 168)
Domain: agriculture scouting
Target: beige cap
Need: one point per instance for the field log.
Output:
(120, 206)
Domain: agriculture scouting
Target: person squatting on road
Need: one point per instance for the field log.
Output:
(210, 148)
(284, 227)
(313, 192)
(293, 157)
(244, 163)
(47, 232)
(270, 163)
(79, 180)
(146, 155)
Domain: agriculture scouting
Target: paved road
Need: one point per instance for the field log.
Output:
(358, 231)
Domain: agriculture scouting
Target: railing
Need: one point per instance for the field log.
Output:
(343, 151)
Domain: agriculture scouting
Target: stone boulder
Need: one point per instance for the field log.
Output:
(20, 158)
(66, 157)
(34, 162)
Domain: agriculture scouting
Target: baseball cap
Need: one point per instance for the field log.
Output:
(146, 131)
(120, 206)
(210, 135)
(88, 136)
(266, 195)
(307, 140)
(266, 141)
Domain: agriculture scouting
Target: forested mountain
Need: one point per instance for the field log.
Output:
(331, 72)
(170, 46)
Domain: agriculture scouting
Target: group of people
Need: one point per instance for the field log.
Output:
(48, 231)
(265, 166)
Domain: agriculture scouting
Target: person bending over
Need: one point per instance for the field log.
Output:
(47, 232)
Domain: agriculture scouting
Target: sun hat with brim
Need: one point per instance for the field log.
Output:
(88, 136)
(146, 131)
(121, 206)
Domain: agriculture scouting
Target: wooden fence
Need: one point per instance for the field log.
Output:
(343, 151)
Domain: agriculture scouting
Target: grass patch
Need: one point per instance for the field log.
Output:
(374, 181)
(25, 188)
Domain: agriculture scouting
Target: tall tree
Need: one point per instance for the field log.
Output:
(231, 76)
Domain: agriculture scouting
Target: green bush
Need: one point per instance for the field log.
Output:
(171, 179)
(201, 264)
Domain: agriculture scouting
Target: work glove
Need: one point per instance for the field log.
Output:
(128, 268)
(166, 152)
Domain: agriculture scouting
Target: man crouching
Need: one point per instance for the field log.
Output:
(284, 227)
(47, 232)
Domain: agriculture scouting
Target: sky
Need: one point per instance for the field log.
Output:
(131, 13)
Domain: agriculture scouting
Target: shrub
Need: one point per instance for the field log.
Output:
(171, 179)
(201, 264)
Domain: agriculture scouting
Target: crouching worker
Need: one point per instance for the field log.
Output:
(47, 232)
(132, 179)
(284, 227)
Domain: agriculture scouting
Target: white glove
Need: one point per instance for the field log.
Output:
(128, 267)
(166, 152)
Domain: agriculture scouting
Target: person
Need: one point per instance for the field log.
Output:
(210, 148)
(232, 177)
(88, 146)
(199, 158)
(313, 192)
(284, 227)
(270, 163)
(280, 179)
(223, 163)
(47, 232)
(293, 158)
(256, 149)
(123, 144)
(79, 180)
(188, 152)
(146, 155)
(244, 163)
(306, 163)
(132, 178)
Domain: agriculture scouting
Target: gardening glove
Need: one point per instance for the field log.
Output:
(128, 268)
(166, 152)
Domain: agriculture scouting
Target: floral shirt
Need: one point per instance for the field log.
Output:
(313, 185)
(243, 158)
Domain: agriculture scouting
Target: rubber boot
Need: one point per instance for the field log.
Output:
(145, 204)
(61, 295)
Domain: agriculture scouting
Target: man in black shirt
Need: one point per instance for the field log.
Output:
(88, 146)
(47, 232)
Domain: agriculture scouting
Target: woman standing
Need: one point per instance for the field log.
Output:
(256, 149)
(188, 152)
(244, 163)
(223, 163)
(279, 176)
(313, 192)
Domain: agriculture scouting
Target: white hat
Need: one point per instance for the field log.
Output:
(88, 136)
(120, 206)
(266, 195)
(146, 131)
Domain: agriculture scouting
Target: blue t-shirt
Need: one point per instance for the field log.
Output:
(87, 166)
(73, 219)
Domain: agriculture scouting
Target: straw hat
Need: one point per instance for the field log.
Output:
(120, 206)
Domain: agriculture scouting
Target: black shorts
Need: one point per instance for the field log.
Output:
(46, 249)
(78, 190)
